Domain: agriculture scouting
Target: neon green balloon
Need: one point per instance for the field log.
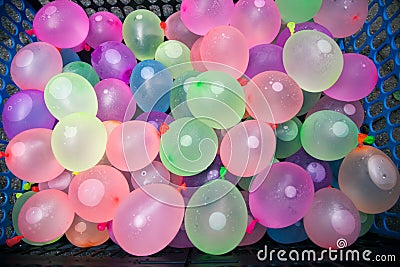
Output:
(178, 104)
(84, 69)
(188, 147)
(216, 217)
(328, 135)
(367, 220)
(142, 33)
(309, 101)
(67, 93)
(79, 141)
(217, 99)
(175, 56)
(288, 138)
(298, 10)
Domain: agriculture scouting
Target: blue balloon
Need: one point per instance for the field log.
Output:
(288, 235)
(68, 56)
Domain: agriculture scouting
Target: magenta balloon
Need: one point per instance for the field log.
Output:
(45, 216)
(195, 56)
(281, 196)
(61, 23)
(34, 65)
(285, 33)
(358, 78)
(113, 60)
(148, 219)
(333, 221)
(200, 16)
(354, 110)
(25, 110)
(264, 57)
(258, 20)
(61, 182)
(181, 240)
(115, 100)
(103, 26)
(29, 156)
(154, 173)
(176, 30)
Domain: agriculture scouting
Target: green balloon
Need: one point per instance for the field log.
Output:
(84, 69)
(188, 147)
(217, 99)
(309, 101)
(299, 10)
(216, 217)
(367, 220)
(142, 33)
(328, 135)
(288, 138)
(175, 56)
(178, 104)
(67, 93)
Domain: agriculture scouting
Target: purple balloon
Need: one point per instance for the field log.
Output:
(181, 240)
(110, 232)
(26, 110)
(155, 118)
(320, 171)
(265, 57)
(285, 34)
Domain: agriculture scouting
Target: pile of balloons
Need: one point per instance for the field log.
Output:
(159, 143)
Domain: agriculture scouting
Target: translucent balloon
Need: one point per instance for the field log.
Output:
(29, 156)
(178, 97)
(142, 33)
(25, 110)
(216, 218)
(79, 141)
(103, 26)
(333, 221)
(328, 135)
(83, 69)
(271, 92)
(224, 48)
(85, 234)
(110, 126)
(285, 33)
(288, 138)
(133, 145)
(154, 173)
(358, 78)
(61, 23)
(258, 20)
(309, 100)
(155, 118)
(281, 196)
(188, 147)
(298, 11)
(67, 93)
(370, 179)
(354, 110)
(34, 65)
(68, 55)
(248, 148)
(195, 56)
(320, 171)
(313, 60)
(113, 60)
(151, 83)
(45, 216)
(181, 240)
(175, 56)
(288, 235)
(148, 219)
(343, 18)
(61, 182)
(110, 232)
(367, 221)
(200, 16)
(115, 100)
(264, 57)
(176, 30)
(216, 99)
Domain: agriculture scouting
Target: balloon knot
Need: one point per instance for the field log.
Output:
(181, 187)
(291, 25)
(75, 173)
(273, 126)
(35, 188)
(30, 32)
(101, 226)
(222, 172)
(18, 195)
(27, 186)
(250, 227)
(163, 26)
(86, 47)
(365, 139)
(163, 128)
(3, 154)
(14, 240)
(243, 81)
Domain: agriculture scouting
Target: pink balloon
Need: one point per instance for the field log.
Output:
(96, 193)
(61, 23)
(248, 148)
(195, 56)
(61, 182)
(273, 97)
(224, 48)
(148, 219)
(45, 216)
(29, 156)
(103, 26)
(154, 173)
(258, 20)
(176, 30)
(133, 145)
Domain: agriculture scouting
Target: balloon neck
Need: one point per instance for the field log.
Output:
(181, 187)
(30, 32)
(13, 241)
(273, 126)
(164, 128)
(222, 172)
(365, 139)
(101, 226)
(35, 189)
(243, 81)
(163, 26)
(86, 47)
(4, 154)
(250, 227)
(291, 25)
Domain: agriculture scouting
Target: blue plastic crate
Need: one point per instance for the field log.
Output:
(378, 39)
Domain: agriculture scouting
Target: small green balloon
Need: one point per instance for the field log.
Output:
(216, 217)
(309, 101)
(142, 33)
(217, 99)
(298, 11)
(328, 135)
(288, 138)
(367, 220)
(84, 69)
(175, 56)
(178, 103)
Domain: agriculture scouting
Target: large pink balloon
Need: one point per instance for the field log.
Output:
(154, 173)
(29, 156)
(103, 27)
(61, 23)
(148, 219)
(195, 56)
(133, 145)
(45, 216)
